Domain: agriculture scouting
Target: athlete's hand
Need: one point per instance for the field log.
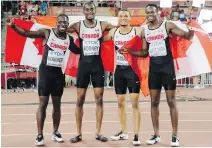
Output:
(10, 20)
(123, 50)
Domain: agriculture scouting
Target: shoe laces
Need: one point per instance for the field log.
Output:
(174, 138)
(119, 133)
(153, 137)
(39, 137)
(58, 135)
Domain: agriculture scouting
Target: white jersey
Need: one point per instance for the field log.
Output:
(90, 38)
(120, 40)
(156, 39)
(56, 49)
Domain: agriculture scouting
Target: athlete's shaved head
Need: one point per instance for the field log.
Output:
(152, 5)
(90, 4)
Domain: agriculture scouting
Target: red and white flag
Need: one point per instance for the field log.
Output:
(191, 58)
(27, 51)
(198, 56)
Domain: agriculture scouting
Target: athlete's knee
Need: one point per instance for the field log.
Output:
(155, 103)
(121, 102)
(43, 105)
(135, 104)
(80, 101)
(99, 100)
(56, 109)
(171, 102)
(56, 101)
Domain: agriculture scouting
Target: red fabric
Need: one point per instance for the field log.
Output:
(107, 55)
(139, 65)
(178, 47)
(14, 44)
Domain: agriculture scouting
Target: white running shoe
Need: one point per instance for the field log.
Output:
(39, 140)
(175, 141)
(153, 140)
(119, 136)
(136, 140)
(57, 137)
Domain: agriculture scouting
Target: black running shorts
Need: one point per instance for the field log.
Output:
(125, 77)
(90, 72)
(51, 81)
(162, 75)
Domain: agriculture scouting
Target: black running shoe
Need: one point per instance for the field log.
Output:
(101, 138)
(76, 139)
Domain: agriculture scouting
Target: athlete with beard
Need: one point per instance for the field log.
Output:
(51, 81)
(125, 77)
(155, 38)
(90, 32)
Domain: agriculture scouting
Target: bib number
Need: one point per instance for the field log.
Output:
(55, 58)
(91, 48)
(121, 60)
(157, 49)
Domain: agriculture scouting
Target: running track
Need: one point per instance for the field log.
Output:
(19, 122)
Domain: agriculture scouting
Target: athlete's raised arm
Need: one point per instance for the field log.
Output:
(171, 27)
(31, 34)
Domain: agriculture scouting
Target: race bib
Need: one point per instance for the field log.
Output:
(157, 49)
(91, 48)
(121, 60)
(55, 58)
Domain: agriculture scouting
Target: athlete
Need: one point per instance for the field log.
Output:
(125, 77)
(51, 79)
(90, 32)
(155, 38)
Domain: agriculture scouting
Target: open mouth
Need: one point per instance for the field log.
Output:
(150, 18)
(62, 28)
(90, 16)
(123, 22)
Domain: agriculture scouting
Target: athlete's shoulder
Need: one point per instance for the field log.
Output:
(113, 31)
(104, 22)
(45, 31)
(75, 25)
(138, 29)
(107, 26)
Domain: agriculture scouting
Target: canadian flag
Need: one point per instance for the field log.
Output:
(198, 56)
(27, 51)
(191, 58)
(22, 50)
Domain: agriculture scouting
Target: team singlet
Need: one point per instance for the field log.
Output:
(156, 39)
(56, 49)
(90, 38)
(119, 40)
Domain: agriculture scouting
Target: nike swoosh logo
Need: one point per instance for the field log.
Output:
(121, 137)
